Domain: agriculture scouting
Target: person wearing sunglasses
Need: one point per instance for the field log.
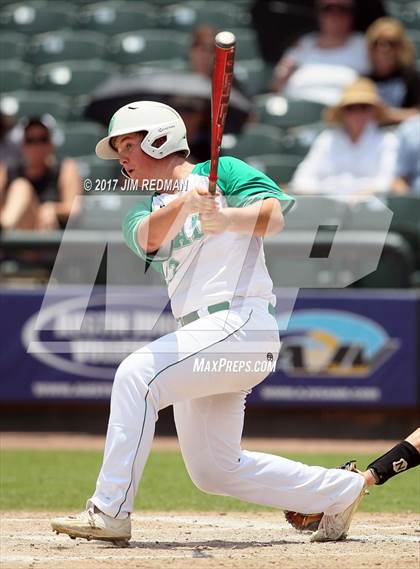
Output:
(393, 69)
(40, 189)
(355, 157)
(335, 44)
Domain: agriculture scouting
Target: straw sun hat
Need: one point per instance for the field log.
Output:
(361, 92)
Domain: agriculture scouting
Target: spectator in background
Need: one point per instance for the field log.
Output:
(40, 190)
(392, 57)
(335, 44)
(355, 157)
(9, 152)
(201, 54)
(408, 160)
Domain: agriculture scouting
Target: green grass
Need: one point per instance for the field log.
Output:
(62, 480)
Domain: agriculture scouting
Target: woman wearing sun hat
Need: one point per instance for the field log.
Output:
(354, 156)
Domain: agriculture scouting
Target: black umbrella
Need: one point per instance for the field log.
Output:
(183, 90)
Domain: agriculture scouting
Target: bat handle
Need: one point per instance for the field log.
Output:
(212, 186)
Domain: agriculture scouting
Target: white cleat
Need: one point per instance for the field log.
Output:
(336, 526)
(93, 524)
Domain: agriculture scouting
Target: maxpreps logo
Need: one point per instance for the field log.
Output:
(333, 343)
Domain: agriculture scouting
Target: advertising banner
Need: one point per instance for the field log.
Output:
(349, 348)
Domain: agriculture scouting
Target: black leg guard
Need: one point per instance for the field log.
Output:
(401, 457)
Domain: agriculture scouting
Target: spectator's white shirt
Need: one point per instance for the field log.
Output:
(320, 83)
(353, 54)
(336, 165)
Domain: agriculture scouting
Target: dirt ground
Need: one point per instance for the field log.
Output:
(208, 540)
(71, 441)
(183, 541)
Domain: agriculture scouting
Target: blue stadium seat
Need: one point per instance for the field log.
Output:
(35, 17)
(148, 45)
(66, 45)
(116, 17)
(35, 103)
(73, 77)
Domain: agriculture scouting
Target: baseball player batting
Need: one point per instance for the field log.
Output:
(208, 248)
(221, 310)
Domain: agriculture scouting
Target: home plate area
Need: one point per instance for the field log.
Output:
(234, 540)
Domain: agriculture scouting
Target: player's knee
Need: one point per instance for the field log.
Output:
(131, 372)
(207, 477)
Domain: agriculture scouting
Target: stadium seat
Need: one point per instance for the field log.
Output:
(148, 45)
(35, 103)
(286, 113)
(73, 77)
(254, 75)
(320, 210)
(14, 75)
(92, 167)
(406, 220)
(160, 65)
(354, 255)
(407, 12)
(36, 17)
(279, 168)
(415, 38)
(12, 45)
(247, 46)
(188, 15)
(80, 138)
(367, 216)
(307, 133)
(395, 268)
(117, 17)
(291, 144)
(66, 45)
(255, 138)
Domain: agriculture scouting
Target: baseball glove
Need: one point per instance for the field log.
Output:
(310, 522)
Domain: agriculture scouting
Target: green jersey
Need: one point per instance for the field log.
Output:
(202, 270)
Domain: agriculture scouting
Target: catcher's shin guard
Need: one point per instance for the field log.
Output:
(310, 522)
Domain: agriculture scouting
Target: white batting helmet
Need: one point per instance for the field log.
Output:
(156, 119)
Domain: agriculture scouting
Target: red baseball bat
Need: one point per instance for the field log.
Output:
(221, 84)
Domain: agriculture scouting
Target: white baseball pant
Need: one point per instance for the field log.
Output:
(209, 414)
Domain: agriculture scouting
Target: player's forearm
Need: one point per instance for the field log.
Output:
(162, 225)
(261, 219)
